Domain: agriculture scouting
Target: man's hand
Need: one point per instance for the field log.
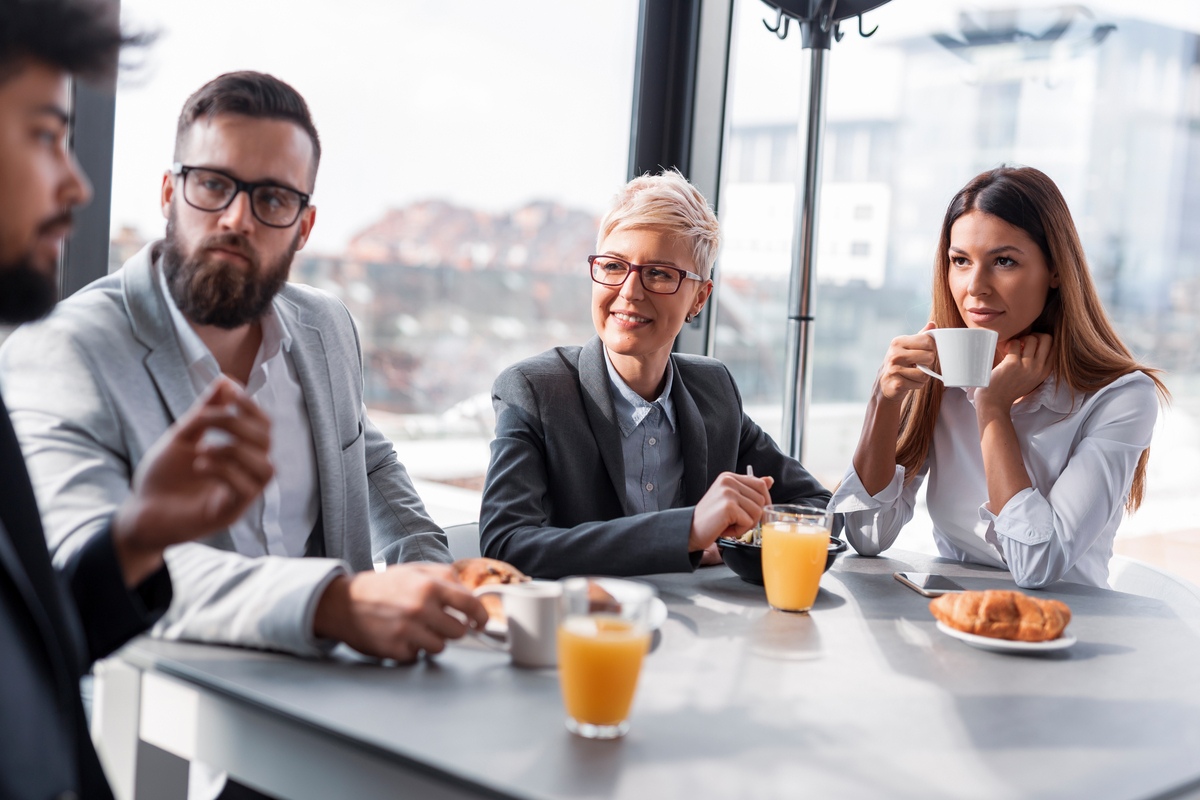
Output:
(187, 486)
(730, 507)
(397, 613)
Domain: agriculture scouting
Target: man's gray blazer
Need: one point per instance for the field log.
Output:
(554, 502)
(92, 387)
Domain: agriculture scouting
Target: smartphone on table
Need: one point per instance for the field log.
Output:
(928, 584)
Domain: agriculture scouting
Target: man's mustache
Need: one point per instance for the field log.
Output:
(231, 241)
(59, 223)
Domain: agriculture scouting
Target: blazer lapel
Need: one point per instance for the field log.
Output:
(693, 440)
(151, 321)
(602, 415)
(312, 367)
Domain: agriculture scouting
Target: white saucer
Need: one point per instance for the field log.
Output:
(1008, 645)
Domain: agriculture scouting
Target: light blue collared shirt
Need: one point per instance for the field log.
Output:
(650, 444)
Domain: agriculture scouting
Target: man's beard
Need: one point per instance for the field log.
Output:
(28, 291)
(210, 291)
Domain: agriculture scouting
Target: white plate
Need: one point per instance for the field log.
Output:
(658, 610)
(1008, 645)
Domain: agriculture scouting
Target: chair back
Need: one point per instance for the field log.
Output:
(464, 540)
(1137, 577)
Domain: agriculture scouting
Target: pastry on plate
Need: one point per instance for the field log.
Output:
(475, 572)
(1001, 614)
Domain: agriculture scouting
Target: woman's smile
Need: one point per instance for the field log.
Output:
(630, 320)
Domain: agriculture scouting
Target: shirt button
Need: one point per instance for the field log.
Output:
(649, 487)
(653, 440)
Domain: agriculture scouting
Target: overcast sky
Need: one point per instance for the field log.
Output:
(487, 104)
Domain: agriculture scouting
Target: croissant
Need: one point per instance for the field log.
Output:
(475, 572)
(1003, 615)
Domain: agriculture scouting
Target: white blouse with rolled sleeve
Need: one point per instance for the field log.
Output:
(1080, 451)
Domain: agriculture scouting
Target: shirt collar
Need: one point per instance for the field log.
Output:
(632, 409)
(1047, 395)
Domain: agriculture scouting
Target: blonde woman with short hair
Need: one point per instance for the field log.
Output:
(1033, 473)
(620, 457)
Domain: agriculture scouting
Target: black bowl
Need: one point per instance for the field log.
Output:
(746, 559)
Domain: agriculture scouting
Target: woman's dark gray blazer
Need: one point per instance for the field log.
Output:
(554, 502)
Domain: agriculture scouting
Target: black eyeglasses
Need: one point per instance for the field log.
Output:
(212, 190)
(656, 278)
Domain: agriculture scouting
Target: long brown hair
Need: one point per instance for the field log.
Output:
(1087, 353)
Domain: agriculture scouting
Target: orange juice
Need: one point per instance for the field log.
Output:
(599, 658)
(793, 558)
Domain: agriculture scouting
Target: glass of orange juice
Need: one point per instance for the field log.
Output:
(795, 542)
(602, 638)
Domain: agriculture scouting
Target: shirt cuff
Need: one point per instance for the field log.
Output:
(853, 496)
(1026, 518)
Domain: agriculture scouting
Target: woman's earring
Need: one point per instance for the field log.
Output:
(688, 318)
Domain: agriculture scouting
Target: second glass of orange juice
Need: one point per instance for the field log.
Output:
(795, 542)
(600, 651)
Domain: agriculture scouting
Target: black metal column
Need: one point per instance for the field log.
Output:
(664, 86)
(85, 254)
(679, 107)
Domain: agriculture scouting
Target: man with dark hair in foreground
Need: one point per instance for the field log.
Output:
(113, 585)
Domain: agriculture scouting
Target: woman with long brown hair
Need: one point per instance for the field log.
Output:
(1034, 472)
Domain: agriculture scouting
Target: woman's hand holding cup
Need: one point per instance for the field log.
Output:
(899, 374)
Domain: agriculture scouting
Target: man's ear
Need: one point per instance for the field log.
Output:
(168, 192)
(307, 220)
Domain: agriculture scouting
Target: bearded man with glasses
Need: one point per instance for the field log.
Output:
(101, 379)
(621, 457)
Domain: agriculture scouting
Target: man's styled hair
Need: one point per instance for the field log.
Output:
(82, 37)
(667, 202)
(251, 94)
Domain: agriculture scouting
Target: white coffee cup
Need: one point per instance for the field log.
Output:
(533, 613)
(966, 356)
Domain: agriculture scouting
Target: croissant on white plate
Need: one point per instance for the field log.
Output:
(1002, 614)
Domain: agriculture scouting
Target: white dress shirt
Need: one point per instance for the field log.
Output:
(1081, 452)
(281, 520)
(649, 443)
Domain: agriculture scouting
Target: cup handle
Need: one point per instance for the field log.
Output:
(929, 372)
(484, 638)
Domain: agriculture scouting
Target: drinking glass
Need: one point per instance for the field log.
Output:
(795, 542)
(600, 649)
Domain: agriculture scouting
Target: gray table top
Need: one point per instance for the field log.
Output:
(863, 697)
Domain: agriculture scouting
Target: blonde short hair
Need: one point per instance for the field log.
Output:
(670, 203)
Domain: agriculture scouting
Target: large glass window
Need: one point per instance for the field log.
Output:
(469, 149)
(1103, 97)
